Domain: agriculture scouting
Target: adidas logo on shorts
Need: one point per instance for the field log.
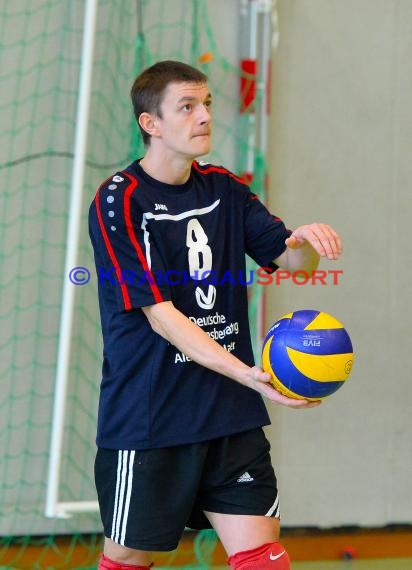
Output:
(245, 478)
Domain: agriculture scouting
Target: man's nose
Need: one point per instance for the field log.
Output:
(205, 115)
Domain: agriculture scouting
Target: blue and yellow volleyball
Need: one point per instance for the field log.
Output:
(308, 353)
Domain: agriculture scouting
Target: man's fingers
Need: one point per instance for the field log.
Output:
(324, 240)
(329, 240)
(276, 397)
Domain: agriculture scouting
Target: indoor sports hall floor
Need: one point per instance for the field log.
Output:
(392, 564)
(389, 564)
(310, 549)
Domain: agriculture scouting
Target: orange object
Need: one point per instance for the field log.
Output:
(348, 553)
(205, 57)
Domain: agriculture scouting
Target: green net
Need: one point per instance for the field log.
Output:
(40, 67)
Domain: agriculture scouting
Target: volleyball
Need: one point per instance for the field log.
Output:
(308, 353)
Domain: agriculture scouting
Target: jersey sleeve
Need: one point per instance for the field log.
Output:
(127, 262)
(265, 233)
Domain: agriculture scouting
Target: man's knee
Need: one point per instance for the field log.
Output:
(270, 556)
(108, 564)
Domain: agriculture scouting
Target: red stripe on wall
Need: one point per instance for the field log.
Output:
(248, 87)
(269, 88)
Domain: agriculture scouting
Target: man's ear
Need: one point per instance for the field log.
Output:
(149, 124)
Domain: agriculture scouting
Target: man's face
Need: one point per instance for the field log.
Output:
(185, 126)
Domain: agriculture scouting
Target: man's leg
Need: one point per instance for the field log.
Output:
(240, 480)
(251, 542)
(145, 498)
(117, 557)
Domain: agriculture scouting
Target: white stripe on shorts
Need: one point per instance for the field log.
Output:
(274, 509)
(124, 483)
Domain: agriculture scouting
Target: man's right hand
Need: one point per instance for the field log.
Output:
(260, 381)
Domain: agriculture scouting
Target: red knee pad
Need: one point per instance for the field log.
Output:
(271, 556)
(107, 564)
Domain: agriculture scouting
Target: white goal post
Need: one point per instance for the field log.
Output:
(54, 508)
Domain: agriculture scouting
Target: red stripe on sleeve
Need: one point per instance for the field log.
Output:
(129, 190)
(112, 255)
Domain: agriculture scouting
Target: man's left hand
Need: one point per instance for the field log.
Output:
(323, 238)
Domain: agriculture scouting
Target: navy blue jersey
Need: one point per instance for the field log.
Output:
(156, 242)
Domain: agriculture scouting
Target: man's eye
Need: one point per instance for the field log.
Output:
(187, 107)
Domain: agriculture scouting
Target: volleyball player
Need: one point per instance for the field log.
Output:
(180, 440)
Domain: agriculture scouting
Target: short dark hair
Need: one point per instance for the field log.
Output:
(149, 87)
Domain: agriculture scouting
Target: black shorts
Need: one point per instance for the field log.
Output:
(147, 498)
